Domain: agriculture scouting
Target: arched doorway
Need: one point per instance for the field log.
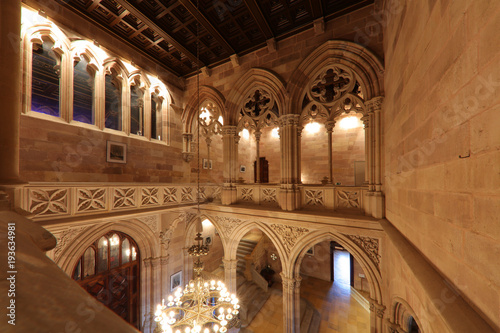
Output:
(109, 271)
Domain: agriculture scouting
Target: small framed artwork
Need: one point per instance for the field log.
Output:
(116, 152)
(310, 252)
(205, 163)
(210, 164)
(208, 241)
(243, 168)
(175, 280)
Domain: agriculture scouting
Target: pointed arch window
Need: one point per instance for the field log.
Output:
(136, 110)
(113, 105)
(109, 271)
(83, 92)
(45, 86)
(156, 117)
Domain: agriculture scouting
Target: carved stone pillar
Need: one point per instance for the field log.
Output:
(187, 153)
(375, 185)
(10, 90)
(376, 316)
(230, 266)
(296, 305)
(288, 304)
(165, 278)
(289, 197)
(230, 141)
(329, 129)
(258, 134)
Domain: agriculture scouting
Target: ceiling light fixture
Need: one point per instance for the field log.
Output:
(201, 306)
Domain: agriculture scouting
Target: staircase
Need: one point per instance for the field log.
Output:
(310, 319)
(252, 299)
(245, 248)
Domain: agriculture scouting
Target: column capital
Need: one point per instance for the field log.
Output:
(229, 130)
(230, 263)
(289, 119)
(378, 308)
(329, 125)
(375, 104)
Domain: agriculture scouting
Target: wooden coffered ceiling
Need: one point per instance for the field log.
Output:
(166, 29)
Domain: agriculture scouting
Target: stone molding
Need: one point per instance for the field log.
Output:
(288, 234)
(370, 246)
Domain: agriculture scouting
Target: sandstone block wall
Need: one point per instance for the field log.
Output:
(442, 144)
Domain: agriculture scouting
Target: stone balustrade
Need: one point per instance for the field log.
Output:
(61, 200)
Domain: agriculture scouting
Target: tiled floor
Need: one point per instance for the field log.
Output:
(340, 312)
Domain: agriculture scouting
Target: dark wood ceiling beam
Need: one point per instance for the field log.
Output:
(119, 18)
(93, 5)
(207, 25)
(138, 31)
(317, 9)
(256, 13)
(146, 20)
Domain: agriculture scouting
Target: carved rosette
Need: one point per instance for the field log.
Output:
(348, 199)
(187, 194)
(288, 234)
(269, 195)
(314, 198)
(169, 195)
(149, 196)
(369, 245)
(247, 194)
(48, 201)
(124, 198)
(91, 199)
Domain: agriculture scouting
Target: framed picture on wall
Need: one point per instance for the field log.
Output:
(210, 164)
(310, 252)
(208, 241)
(205, 163)
(243, 168)
(116, 152)
(175, 280)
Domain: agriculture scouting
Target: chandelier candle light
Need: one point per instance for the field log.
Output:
(201, 306)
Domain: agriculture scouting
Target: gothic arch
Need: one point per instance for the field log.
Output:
(191, 231)
(243, 229)
(191, 111)
(145, 238)
(254, 78)
(364, 63)
(400, 314)
(371, 270)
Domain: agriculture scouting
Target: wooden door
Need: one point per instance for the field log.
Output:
(264, 170)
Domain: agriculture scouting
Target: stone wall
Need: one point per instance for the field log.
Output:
(442, 158)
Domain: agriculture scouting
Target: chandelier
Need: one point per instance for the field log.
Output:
(202, 306)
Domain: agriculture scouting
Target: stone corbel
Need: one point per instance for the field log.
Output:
(188, 157)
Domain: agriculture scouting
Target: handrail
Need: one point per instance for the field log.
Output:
(259, 280)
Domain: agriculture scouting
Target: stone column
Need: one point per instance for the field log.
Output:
(376, 316)
(230, 266)
(10, 90)
(165, 278)
(377, 205)
(288, 304)
(329, 129)
(289, 197)
(368, 164)
(258, 134)
(187, 153)
(230, 140)
(296, 305)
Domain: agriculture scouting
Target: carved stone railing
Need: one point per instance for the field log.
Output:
(327, 197)
(260, 194)
(62, 200)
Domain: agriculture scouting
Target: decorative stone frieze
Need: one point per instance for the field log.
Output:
(48, 201)
(228, 224)
(186, 194)
(91, 199)
(348, 199)
(247, 194)
(124, 197)
(64, 238)
(314, 198)
(269, 195)
(166, 235)
(369, 245)
(169, 195)
(149, 196)
(151, 221)
(288, 234)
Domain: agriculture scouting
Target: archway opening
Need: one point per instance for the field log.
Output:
(213, 261)
(259, 283)
(109, 271)
(333, 286)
